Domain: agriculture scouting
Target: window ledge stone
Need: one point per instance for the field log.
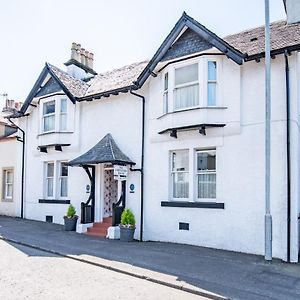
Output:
(188, 204)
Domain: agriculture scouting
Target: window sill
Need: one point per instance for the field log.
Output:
(54, 201)
(190, 109)
(53, 132)
(7, 200)
(212, 205)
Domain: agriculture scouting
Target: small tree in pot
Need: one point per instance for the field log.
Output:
(71, 219)
(127, 226)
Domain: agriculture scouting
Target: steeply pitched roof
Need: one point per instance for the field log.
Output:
(252, 41)
(77, 87)
(105, 151)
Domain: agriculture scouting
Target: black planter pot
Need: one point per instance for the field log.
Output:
(126, 234)
(70, 223)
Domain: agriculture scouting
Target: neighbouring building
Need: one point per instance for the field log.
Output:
(189, 127)
(10, 163)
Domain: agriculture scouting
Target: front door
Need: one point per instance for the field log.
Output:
(110, 192)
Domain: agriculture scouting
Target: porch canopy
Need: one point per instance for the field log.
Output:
(106, 151)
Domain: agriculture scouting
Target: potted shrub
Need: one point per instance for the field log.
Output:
(127, 226)
(71, 219)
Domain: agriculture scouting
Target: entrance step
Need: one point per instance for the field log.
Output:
(100, 228)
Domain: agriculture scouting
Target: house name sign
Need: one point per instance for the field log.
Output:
(120, 172)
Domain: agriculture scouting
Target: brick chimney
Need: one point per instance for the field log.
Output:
(292, 8)
(81, 63)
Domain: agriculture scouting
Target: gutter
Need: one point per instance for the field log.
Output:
(141, 170)
(22, 140)
(288, 154)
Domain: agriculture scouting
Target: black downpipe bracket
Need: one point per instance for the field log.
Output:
(288, 157)
(22, 140)
(141, 170)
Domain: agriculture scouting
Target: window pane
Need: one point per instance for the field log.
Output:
(186, 97)
(9, 191)
(63, 122)
(64, 187)
(63, 169)
(50, 170)
(212, 70)
(63, 105)
(206, 161)
(49, 107)
(166, 83)
(180, 185)
(180, 161)
(211, 93)
(186, 74)
(165, 110)
(207, 186)
(50, 187)
(9, 177)
(49, 123)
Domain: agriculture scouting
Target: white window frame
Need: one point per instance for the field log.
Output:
(57, 114)
(172, 174)
(47, 178)
(44, 116)
(184, 85)
(60, 177)
(166, 92)
(5, 184)
(203, 172)
(215, 82)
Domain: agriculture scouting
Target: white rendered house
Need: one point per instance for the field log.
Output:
(189, 127)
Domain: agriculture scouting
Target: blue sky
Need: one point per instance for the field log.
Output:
(118, 32)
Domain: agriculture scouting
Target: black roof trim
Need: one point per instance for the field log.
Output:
(46, 70)
(209, 36)
(273, 52)
(80, 65)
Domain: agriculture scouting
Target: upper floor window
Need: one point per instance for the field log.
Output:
(211, 83)
(54, 115)
(186, 92)
(49, 116)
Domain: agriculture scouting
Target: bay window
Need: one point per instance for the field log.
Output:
(49, 179)
(186, 92)
(206, 174)
(166, 93)
(180, 174)
(63, 180)
(54, 115)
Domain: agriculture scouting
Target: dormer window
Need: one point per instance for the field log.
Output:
(186, 92)
(54, 115)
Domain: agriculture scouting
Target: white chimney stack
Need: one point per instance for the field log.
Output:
(292, 8)
(81, 63)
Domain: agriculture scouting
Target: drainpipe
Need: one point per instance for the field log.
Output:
(141, 170)
(288, 154)
(22, 140)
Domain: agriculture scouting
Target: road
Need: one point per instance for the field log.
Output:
(26, 273)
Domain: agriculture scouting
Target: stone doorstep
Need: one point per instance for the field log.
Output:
(127, 269)
(82, 228)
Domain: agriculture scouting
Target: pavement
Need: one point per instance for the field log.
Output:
(27, 273)
(211, 273)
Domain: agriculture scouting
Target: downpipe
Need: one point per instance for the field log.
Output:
(22, 140)
(141, 170)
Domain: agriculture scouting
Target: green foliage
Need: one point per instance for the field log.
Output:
(127, 218)
(71, 213)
